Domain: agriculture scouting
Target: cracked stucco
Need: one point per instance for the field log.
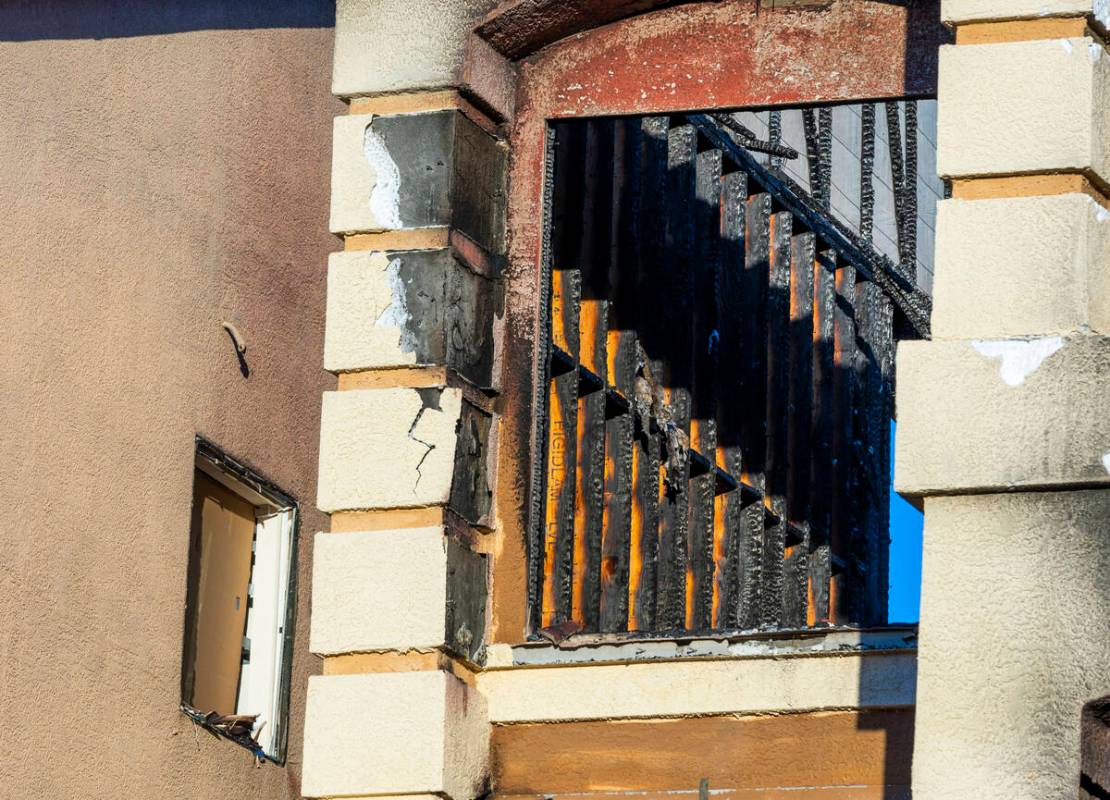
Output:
(387, 448)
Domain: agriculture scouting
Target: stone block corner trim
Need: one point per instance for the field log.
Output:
(379, 590)
(955, 12)
(395, 733)
(993, 257)
(396, 309)
(1024, 107)
(999, 415)
(387, 448)
(420, 170)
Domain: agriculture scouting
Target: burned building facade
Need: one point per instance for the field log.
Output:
(628, 296)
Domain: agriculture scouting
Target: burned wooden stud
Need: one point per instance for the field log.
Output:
(621, 351)
(562, 440)
(706, 352)
(677, 379)
(731, 537)
(798, 444)
(875, 364)
(867, 173)
(593, 319)
(821, 438)
(777, 415)
(647, 453)
(842, 586)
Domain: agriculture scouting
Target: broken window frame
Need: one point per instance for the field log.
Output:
(278, 519)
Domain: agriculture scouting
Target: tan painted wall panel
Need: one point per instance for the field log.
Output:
(847, 754)
(164, 168)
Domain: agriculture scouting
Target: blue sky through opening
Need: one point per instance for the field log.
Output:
(906, 525)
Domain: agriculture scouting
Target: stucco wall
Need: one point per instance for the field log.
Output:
(164, 168)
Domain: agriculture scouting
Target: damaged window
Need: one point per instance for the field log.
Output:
(724, 293)
(239, 606)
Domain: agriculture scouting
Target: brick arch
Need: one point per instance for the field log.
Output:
(608, 57)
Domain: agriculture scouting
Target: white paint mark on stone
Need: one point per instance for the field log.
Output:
(385, 197)
(1020, 357)
(1066, 44)
(1094, 50)
(396, 314)
(1106, 463)
(1102, 214)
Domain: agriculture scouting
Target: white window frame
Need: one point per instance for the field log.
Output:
(264, 680)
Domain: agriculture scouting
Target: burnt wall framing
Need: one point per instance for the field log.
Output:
(715, 387)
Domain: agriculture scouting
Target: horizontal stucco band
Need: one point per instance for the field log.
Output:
(699, 688)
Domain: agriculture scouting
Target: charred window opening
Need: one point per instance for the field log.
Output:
(721, 313)
(239, 605)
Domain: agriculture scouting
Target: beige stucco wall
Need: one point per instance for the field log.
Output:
(157, 177)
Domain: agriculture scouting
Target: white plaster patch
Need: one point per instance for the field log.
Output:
(395, 314)
(1066, 44)
(1106, 462)
(1102, 215)
(385, 197)
(1020, 357)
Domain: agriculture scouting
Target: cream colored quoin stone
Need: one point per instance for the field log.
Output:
(365, 180)
(958, 11)
(1015, 637)
(1002, 414)
(1024, 107)
(395, 733)
(387, 448)
(1021, 267)
(362, 333)
(380, 590)
(400, 45)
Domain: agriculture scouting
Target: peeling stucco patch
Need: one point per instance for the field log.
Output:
(1020, 357)
(396, 314)
(385, 197)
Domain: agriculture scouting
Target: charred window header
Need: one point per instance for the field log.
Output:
(718, 352)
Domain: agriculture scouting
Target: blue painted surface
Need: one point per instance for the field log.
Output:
(906, 525)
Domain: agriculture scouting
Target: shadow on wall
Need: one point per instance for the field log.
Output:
(29, 20)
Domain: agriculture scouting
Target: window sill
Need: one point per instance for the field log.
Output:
(622, 649)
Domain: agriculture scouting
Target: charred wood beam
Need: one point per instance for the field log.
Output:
(752, 142)
(913, 303)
